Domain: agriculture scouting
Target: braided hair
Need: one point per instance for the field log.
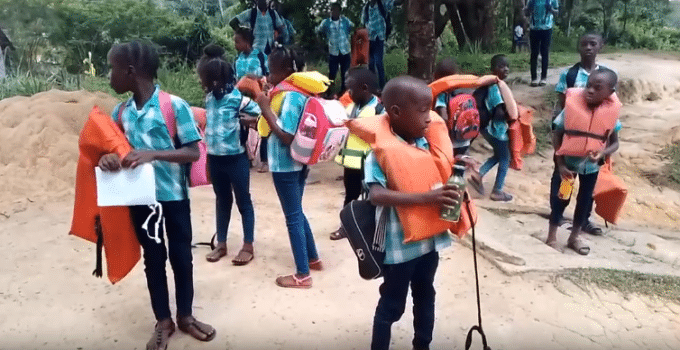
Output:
(288, 59)
(215, 73)
(140, 55)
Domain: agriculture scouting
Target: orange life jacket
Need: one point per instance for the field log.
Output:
(522, 138)
(413, 170)
(461, 81)
(101, 136)
(610, 193)
(587, 130)
(345, 99)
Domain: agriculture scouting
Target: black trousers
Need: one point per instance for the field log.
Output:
(540, 42)
(353, 180)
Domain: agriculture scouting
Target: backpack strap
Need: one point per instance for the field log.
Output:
(572, 73)
(119, 118)
(253, 18)
(263, 66)
(165, 102)
(386, 18)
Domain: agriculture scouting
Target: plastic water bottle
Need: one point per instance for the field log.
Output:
(452, 213)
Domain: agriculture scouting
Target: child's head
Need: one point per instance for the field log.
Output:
(215, 73)
(601, 84)
(284, 61)
(362, 84)
(335, 10)
(500, 66)
(243, 39)
(447, 66)
(261, 4)
(589, 45)
(131, 62)
(407, 101)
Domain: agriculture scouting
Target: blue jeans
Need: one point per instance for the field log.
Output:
(501, 156)
(290, 188)
(584, 199)
(227, 173)
(376, 52)
(333, 62)
(177, 216)
(419, 274)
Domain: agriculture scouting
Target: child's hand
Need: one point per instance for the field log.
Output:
(109, 162)
(595, 157)
(135, 158)
(447, 195)
(263, 100)
(565, 173)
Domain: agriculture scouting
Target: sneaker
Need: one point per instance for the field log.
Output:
(543, 82)
(534, 83)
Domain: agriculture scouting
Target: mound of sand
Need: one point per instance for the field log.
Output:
(39, 148)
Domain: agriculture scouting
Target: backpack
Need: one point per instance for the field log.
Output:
(463, 120)
(366, 238)
(572, 73)
(253, 19)
(197, 171)
(480, 95)
(386, 16)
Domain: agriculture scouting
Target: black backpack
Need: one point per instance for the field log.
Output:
(480, 95)
(386, 16)
(365, 236)
(572, 73)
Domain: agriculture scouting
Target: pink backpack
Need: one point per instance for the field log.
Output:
(321, 133)
(198, 171)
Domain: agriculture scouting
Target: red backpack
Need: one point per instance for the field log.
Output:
(463, 121)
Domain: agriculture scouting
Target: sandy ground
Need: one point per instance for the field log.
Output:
(51, 301)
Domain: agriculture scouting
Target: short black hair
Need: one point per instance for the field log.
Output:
(246, 34)
(336, 5)
(447, 66)
(495, 60)
(287, 58)
(592, 33)
(611, 76)
(141, 55)
(364, 75)
(215, 72)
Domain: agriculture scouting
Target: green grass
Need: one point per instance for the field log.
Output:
(627, 282)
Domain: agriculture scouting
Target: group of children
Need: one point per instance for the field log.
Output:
(407, 103)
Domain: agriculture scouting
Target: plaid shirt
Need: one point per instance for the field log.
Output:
(278, 153)
(540, 18)
(337, 33)
(249, 64)
(223, 128)
(396, 251)
(580, 82)
(145, 129)
(375, 23)
(264, 28)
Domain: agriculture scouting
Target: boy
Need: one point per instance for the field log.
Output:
(407, 101)
(376, 17)
(362, 85)
(446, 67)
(589, 46)
(337, 30)
(570, 161)
(263, 21)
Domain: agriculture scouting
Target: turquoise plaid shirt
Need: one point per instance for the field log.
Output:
(145, 129)
(580, 82)
(250, 64)
(264, 28)
(278, 153)
(337, 33)
(375, 23)
(541, 19)
(396, 251)
(223, 128)
(580, 165)
(496, 128)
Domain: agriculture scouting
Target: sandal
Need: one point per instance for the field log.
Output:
(477, 184)
(338, 234)
(500, 196)
(216, 254)
(264, 168)
(553, 245)
(161, 334)
(579, 246)
(239, 259)
(590, 228)
(198, 330)
(292, 281)
(316, 265)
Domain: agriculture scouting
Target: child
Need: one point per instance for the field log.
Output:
(289, 175)
(601, 85)
(227, 159)
(446, 67)
(133, 69)
(407, 101)
(362, 85)
(589, 46)
(337, 30)
(518, 37)
(263, 21)
(496, 134)
(250, 61)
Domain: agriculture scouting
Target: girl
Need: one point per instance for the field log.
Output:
(289, 175)
(133, 69)
(227, 159)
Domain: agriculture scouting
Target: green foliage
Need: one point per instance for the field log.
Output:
(183, 82)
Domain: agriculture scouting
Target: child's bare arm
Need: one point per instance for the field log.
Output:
(611, 147)
(264, 102)
(446, 195)
(561, 99)
(186, 154)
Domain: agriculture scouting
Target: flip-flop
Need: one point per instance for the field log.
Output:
(579, 246)
(292, 281)
(238, 262)
(198, 330)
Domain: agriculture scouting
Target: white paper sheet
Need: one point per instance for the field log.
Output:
(126, 187)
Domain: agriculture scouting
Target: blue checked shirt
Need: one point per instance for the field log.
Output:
(250, 64)
(278, 153)
(442, 102)
(145, 129)
(375, 23)
(396, 251)
(264, 28)
(223, 128)
(541, 19)
(496, 128)
(580, 82)
(337, 33)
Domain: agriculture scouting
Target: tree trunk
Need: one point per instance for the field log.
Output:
(472, 21)
(421, 38)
